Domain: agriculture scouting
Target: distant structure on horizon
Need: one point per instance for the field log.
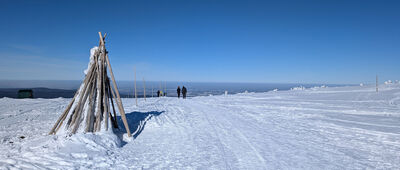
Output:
(25, 93)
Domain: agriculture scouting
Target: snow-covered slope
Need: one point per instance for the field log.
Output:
(319, 128)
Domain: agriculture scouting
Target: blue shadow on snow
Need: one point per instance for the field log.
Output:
(136, 122)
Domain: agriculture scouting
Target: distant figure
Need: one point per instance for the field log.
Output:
(158, 93)
(178, 91)
(184, 91)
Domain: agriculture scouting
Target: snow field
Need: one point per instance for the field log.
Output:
(319, 128)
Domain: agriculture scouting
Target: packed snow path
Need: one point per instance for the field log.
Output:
(325, 128)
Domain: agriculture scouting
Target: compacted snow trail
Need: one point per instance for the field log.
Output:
(319, 128)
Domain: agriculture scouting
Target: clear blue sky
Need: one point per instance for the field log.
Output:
(205, 41)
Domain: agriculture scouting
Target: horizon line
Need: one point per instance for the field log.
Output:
(185, 81)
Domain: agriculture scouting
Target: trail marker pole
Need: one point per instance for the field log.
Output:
(165, 88)
(376, 83)
(144, 89)
(135, 87)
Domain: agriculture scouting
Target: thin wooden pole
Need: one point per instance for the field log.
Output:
(119, 102)
(90, 114)
(105, 99)
(376, 83)
(99, 115)
(161, 87)
(118, 99)
(144, 89)
(135, 86)
(63, 116)
(112, 95)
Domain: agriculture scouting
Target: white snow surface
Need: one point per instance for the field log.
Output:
(91, 61)
(324, 128)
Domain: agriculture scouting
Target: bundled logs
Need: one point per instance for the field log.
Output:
(92, 108)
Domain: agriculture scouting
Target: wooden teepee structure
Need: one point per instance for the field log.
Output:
(89, 110)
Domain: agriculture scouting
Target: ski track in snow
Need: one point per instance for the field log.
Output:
(326, 128)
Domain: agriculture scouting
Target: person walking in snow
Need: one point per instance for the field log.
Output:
(178, 91)
(158, 93)
(184, 91)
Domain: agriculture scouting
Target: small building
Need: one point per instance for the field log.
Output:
(25, 93)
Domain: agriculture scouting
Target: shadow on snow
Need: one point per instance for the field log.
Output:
(136, 122)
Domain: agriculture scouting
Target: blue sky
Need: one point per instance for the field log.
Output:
(204, 41)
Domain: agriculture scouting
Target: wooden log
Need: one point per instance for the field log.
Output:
(87, 94)
(61, 119)
(108, 103)
(74, 106)
(112, 119)
(62, 122)
(64, 115)
(82, 99)
(105, 101)
(101, 106)
(86, 82)
(119, 102)
(77, 120)
(90, 120)
(90, 116)
(99, 96)
(112, 103)
(79, 113)
(99, 111)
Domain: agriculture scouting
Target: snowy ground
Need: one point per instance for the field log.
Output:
(325, 128)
